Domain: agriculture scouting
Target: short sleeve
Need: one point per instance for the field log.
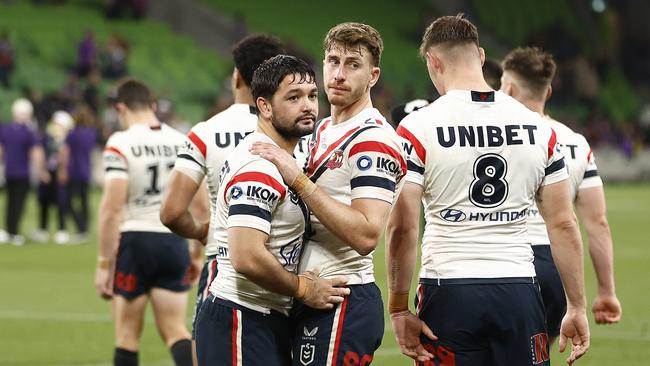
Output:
(377, 163)
(192, 154)
(591, 177)
(555, 170)
(115, 162)
(415, 152)
(253, 194)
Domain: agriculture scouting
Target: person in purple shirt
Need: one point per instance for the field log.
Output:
(18, 147)
(76, 168)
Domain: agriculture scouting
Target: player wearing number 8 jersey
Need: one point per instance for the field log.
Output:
(477, 159)
(151, 262)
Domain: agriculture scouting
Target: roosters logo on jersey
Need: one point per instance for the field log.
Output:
(335, 161)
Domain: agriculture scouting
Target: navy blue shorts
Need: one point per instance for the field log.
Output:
(208, 274)
(483, 322)
(145, 260)
(349, 334)
(552, 289)
(230, 334)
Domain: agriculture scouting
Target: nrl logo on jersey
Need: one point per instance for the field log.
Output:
(335, 161)
(307, 353)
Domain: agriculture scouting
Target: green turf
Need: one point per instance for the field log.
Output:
(50, 315)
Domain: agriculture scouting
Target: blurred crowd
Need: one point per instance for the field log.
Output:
(51, 136)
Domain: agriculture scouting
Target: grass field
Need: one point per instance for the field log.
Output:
(50, 315)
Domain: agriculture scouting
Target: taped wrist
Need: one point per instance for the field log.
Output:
(398, 302)
(305, 283)
(103, 262)
(303, 185)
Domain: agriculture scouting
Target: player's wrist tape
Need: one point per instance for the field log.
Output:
(305, 282)
(398, 302)
(103, 262)
(303, 185)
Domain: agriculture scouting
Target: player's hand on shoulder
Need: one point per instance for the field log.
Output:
(320, 293)
(408, 328)
(575, 327)
(606, 309)
(285, 163)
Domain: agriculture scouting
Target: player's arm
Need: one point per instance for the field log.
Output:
(360, 224)
(401, 254)
(591, 208)
(554, 203)
(249, 256)
(184, 190)
(184, 209)
(114, 197)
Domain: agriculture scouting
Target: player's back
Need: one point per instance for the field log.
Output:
(145, 156)
(582, 170)
(480, 158)
(207, 147)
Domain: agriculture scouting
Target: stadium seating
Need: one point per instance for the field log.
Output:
(46, 38)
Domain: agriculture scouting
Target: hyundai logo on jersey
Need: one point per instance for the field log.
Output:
(453, 215)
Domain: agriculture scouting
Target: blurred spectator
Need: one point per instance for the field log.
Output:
(50, 193)
(398, 112)
(18, 145)
(6, 59)
(120, 8)
(115, 57)
(165, 113)
(76, 167)
(492, 72)
(87, 54)
(71, 91)
(91, 92)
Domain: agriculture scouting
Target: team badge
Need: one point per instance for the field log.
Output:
(307, 353)
(335, 161)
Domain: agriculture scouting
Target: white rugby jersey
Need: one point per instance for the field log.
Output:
(358, 158)
(252, 194)
(145, 157)
(480, 158)
(301, 152)
(582, 169)
(208, 145)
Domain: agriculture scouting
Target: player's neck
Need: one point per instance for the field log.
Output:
(243, 96)
(266, 128)
(144, 117)
(344, 113)
(534, 105)
(464, 79)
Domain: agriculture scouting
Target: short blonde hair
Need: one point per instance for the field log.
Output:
(352, 35)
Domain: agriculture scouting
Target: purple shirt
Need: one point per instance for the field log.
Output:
(80, 141)
(17, 141)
